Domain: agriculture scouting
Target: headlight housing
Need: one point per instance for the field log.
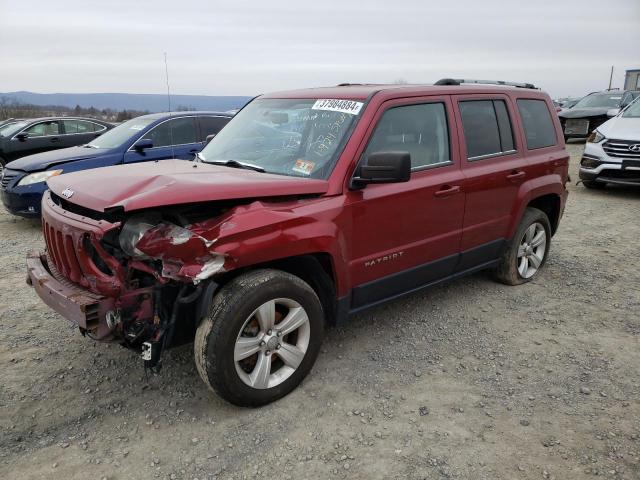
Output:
(132, 232)
(595, 137)
(38, 177)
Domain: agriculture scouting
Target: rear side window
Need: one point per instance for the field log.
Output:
(420, 130)
(487, 128)
(80, 126)
(536, 121)
(211, 125)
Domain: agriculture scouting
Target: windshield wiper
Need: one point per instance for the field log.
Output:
(235, 164)
(88, 145)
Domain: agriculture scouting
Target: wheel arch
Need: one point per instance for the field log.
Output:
(316, 269)
(550, 205)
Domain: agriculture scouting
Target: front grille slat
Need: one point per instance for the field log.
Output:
(64, 263)
(75, 274)
(620, 148)
(7, 177)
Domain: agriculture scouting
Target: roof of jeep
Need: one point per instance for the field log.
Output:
(364, 91)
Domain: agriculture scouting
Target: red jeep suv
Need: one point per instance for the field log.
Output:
(309, 206)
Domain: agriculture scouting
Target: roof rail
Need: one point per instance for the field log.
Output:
(459, 81)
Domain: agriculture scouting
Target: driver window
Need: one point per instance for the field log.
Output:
(178, 131)
(420, 130)
(43, 129)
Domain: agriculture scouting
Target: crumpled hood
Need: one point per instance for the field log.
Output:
(44, 160)
(174, 182)
(584, 112)
(621, 128)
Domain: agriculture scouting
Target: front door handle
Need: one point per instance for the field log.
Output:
(195, 150)
(447, 191)
(516, 175)
(55, 139)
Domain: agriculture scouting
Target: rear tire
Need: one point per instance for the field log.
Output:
(594, 185)
(261, 337)
(527, 251)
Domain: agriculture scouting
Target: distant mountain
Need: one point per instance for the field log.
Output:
(126, 101)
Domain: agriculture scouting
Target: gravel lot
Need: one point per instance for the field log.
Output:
(472, 380)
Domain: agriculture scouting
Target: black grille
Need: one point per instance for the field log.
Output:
(620, 148)
(7, 177)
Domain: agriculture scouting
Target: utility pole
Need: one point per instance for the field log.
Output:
(611, 77)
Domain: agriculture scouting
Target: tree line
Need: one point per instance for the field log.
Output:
(12, 108)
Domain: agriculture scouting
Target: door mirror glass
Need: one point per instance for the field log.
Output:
(612, 112)
(143, 144)
(384, 167)
(22, 136)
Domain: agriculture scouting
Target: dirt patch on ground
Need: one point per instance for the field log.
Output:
(472, 380)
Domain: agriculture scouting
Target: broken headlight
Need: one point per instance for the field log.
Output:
(131, 233)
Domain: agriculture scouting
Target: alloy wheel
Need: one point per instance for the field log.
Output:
(272, 343)
(531, 250)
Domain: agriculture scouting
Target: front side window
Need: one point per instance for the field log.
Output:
(537, 123)
(43, 129)
(487, 128)
(420, 130)
(178, 131)
(295, 137)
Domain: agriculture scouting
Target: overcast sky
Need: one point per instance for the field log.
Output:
(244, 48)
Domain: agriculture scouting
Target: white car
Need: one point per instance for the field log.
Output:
(612, 151)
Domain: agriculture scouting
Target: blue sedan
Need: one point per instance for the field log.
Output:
(149, 137)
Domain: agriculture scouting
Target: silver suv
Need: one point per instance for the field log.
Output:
(612, 151)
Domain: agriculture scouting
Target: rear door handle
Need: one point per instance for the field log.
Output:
(447, 191)
(516, 175)
(55, 139)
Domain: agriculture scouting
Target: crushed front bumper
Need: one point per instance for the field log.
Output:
(81, 307)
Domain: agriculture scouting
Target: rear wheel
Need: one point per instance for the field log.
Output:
(528, 249)
(261, 337)
(594, 185)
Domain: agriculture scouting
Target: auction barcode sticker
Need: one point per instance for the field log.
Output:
(343, 106)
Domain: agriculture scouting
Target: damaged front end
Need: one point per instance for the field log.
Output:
(129, 278)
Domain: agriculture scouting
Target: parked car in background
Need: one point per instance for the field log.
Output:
(311, 205)
(612, 151)
(150, 137)
(567, 103)
(593, 110)
(19, 138)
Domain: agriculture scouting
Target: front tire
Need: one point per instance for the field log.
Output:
(527, 251)
(260, 338)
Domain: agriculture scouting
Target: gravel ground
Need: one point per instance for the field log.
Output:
(472, 380)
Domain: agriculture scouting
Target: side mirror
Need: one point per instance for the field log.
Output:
(209, 138)
(384, 167)
(613, 112)
(22, 136)
(143, 144)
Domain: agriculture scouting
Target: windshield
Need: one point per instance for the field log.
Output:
(121, 134)
(296, 137)
(12, 128)
(633, 110)
(610, 100)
